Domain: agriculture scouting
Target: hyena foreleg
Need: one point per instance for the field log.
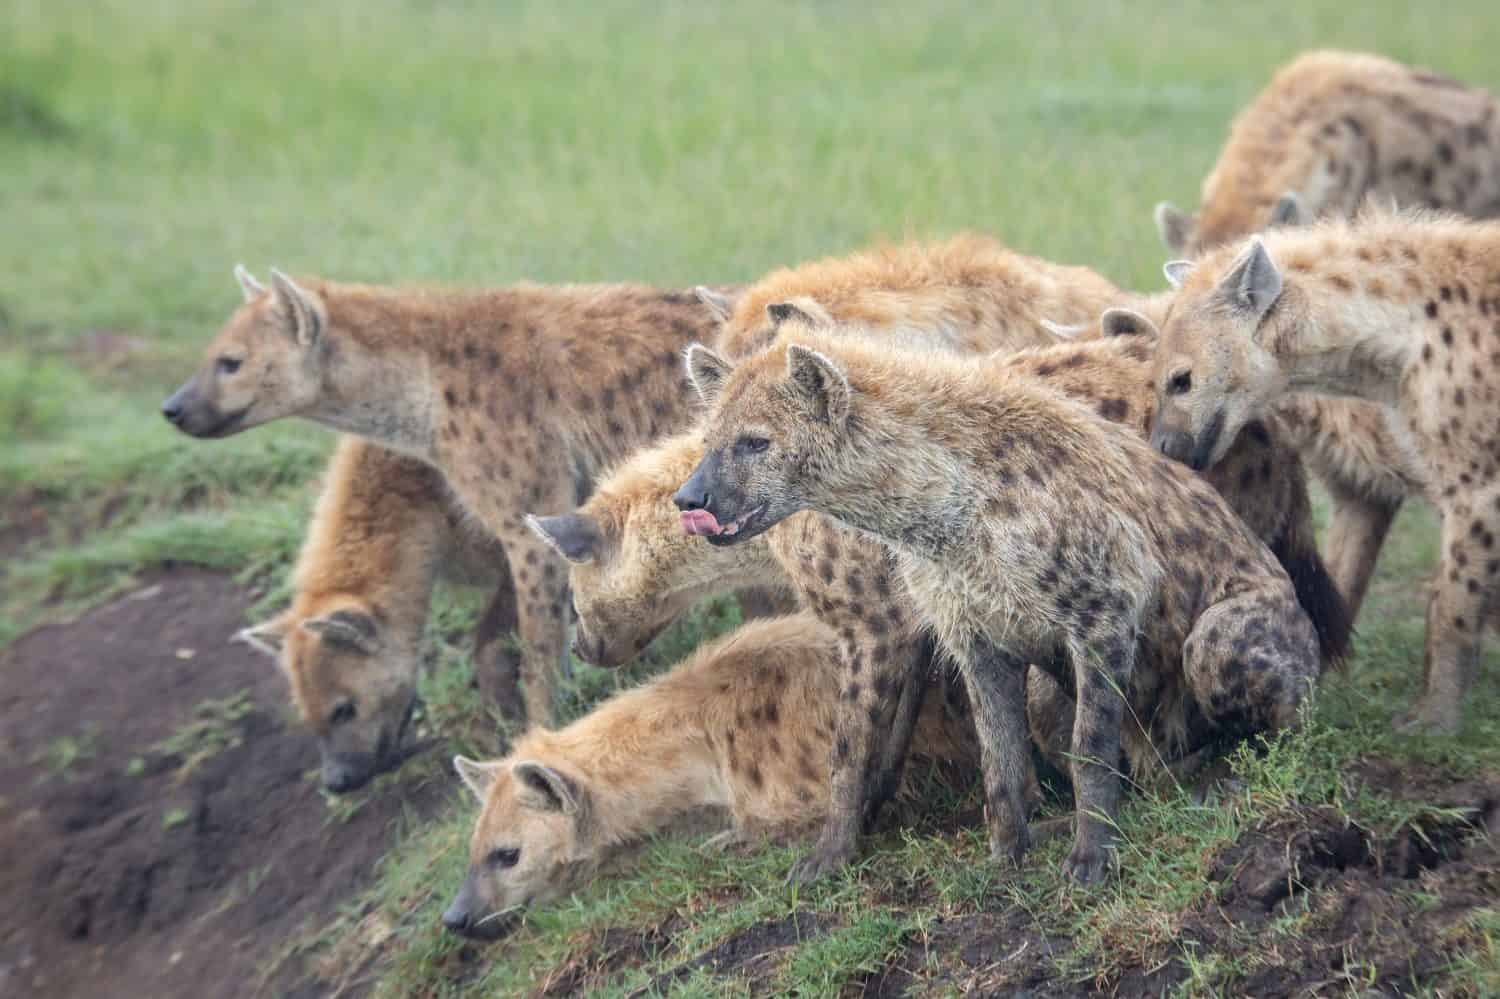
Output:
(996, 682)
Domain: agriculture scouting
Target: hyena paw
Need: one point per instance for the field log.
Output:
(725, 841)
(825, 859)
(1427, 718)
(1087, 864)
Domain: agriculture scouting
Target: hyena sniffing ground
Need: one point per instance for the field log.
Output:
(1401, 310)
(385, 530)
(1029, 530)
(518, 395)
(743, 725)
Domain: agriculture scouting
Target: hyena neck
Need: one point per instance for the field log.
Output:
(1349, 344)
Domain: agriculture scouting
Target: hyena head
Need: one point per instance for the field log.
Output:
(354, 685)
(631, 570)
(1212, 370)
(265, 363)
(529, 844)
(1184, 235)
(777, 420)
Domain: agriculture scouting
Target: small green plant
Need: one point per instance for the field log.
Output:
(67, 751)
(136, 767)
(214, 727)
(174, 817)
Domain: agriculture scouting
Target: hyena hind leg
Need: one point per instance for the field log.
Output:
(1253, 659)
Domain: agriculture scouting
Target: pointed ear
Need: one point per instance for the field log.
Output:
(1177, 271)
(478, 776)
(1124, 322)
(574, 536)
(1288, 211)
(707, 371)
(1253, 283)
(542, 787)
(803, 309)
(353, 628)
(1176, 229)
(268, 636)
(820, 382)
(300, 307)
(718, 304)
(1062, 332)
(249, 287)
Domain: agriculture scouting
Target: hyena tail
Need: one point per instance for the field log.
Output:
(1297, 551)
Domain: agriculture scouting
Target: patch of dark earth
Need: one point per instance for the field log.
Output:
(126, 870)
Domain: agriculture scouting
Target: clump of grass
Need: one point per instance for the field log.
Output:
(213, 728)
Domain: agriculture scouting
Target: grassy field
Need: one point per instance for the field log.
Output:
(146, 147)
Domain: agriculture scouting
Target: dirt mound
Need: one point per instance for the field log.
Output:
(160, 833)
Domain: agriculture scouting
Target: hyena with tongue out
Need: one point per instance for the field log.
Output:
(1026, 529)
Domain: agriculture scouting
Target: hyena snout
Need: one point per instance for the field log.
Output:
(468, 915)
(173, 408)
(1175, 444)
(347, 771)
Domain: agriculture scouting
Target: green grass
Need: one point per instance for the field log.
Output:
(150, 146)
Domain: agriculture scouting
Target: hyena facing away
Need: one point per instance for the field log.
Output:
(1029, 530)
(1400, 310)
(1334, 128)
(519, 396)
(385, 529)
(744, 725)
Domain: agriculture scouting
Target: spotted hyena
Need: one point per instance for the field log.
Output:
(1331, 130)
(1028, 530)
(1401, 310)
(517, 395)
(384, 531)
(967, 294)
(743, 726)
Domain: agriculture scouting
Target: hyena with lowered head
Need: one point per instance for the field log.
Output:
(517, 395)
(385, 530)
(1402, 310)
(1028, 530)
(966, 294)
(743, 725)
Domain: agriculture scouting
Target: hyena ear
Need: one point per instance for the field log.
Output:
(249, 287)
(803, 309)
(1253, 283)
(542, 787)
(1177, 271)
(718, 304)
(574, 536)
(707, 371)
(1176, 229)
(478, 776)
(1124, 322)
(268, 636)
(300, 308)
(820, 383)
(1288, 211)
(352, 628)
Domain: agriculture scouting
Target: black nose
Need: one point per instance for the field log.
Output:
(457, 919)
(1175, 444)
(172, 410)
(691, 497)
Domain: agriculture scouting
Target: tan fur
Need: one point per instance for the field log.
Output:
(384, 531)
(1029, 530)
(1399, 310)
(744, 725)
(519, 396)
(966, 293)
(1336, 127)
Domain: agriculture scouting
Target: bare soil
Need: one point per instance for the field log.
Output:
(131, 869)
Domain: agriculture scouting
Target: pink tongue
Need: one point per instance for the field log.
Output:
(699, 522)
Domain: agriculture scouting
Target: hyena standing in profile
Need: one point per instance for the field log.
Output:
(1029, 530)
(386, 528)
(518, 395)
(1332, 130)
(1399, 310)
(968, 295)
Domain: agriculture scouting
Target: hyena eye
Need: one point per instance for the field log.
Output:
(344, 712)
(504, 857)
(229, 365)
(1180, 383)
(751, 445)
